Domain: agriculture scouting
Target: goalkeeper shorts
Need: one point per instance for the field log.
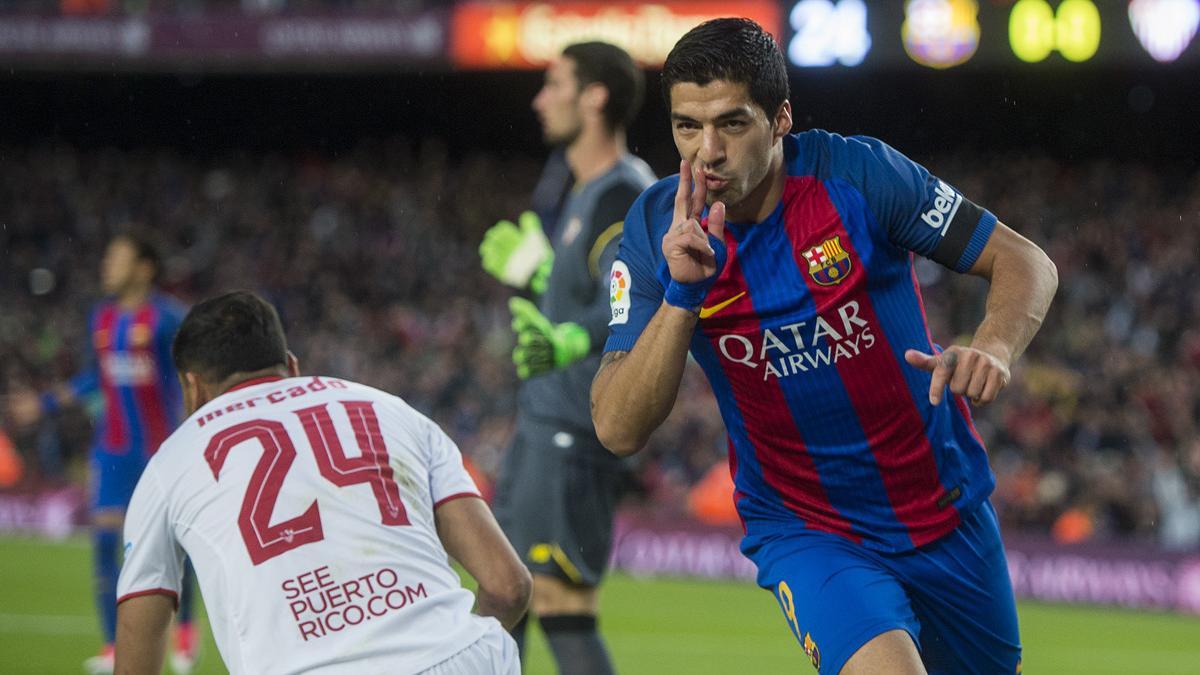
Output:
(555, 500)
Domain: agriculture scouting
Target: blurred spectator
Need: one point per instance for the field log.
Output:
(196, 7)
(371, 259)
(1176, 485)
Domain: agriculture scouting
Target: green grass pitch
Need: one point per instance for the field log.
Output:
(47, 625)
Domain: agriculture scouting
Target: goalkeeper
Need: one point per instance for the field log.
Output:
(558, 486)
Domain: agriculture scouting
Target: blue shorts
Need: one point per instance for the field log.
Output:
(114, 477)
(953, 596)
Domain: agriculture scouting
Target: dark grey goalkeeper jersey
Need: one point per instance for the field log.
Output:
(585, 242)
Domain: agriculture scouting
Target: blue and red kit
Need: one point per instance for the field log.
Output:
(833, 444)
(131, 366)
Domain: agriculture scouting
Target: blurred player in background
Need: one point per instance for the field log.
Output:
(558, 486)
(130, 364)
(784, 262)
(552, 189)
(318, 513)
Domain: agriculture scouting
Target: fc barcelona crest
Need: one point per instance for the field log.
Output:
(828, 263)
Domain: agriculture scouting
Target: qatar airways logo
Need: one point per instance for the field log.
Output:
(803, 346)
(128, 369)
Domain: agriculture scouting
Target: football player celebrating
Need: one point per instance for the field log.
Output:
(783, 262)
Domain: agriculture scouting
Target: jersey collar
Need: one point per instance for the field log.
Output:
(254, 381)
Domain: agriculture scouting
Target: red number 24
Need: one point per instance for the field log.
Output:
(264, 540)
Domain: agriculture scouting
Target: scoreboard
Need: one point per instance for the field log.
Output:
(816, 35)
(944, 34)
(846, 34)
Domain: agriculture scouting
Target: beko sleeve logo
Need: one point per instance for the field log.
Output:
(945, 204)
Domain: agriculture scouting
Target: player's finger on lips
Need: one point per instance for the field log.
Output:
(683, 193)
(699, 192)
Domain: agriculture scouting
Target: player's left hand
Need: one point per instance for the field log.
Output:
(969, 371)
(543, 346)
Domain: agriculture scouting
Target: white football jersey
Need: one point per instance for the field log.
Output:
(306, 507)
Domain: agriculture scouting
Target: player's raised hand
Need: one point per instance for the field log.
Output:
(695, 257)
(970, 372)
(692, 254)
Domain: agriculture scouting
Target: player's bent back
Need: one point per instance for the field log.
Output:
(311, 508)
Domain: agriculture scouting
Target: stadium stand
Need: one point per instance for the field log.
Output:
(375, 273)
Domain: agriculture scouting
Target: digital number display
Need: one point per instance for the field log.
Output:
(829, 32)
(971, 34)
(1035, 30)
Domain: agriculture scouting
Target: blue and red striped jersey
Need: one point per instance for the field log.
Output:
(803, 335)
(131, 366)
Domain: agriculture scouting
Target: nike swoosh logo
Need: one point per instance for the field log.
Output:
(706, 312)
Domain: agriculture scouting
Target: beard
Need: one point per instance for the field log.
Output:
(739, 191)
(561, 138)
(731, 195)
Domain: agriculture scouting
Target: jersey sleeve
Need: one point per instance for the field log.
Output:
(635, 292)
(172, 314)
(448, 478)
(153, 557)
(87, 381)
(608, 222)
(917, 210)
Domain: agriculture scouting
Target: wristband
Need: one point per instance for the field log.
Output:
(688, 296)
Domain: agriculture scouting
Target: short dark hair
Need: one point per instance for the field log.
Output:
(144, 248)
(609, 65)
(736, 50)
(238, 332)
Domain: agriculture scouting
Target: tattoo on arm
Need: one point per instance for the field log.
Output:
(608, 359)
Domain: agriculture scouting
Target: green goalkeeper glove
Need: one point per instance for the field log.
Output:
(520, 256)
(543, 346)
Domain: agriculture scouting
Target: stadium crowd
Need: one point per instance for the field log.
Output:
(194, 7)
(371, 258)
